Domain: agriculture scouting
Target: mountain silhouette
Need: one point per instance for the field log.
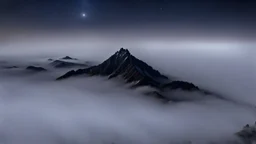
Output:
(36, 69)
(247, 134)
(68, 58)
(132, 70)
(66, 64)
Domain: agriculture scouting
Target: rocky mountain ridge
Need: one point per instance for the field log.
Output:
(133, 70)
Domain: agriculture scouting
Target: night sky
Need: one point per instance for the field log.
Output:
(216, 13)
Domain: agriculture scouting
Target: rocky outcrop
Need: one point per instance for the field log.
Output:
(248, 134)
(181, 85)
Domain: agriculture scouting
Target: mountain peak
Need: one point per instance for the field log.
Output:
(123, 50)
(123, 63)
(123, 53)
(132, 70)
(68, 58)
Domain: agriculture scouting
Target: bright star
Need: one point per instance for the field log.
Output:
(83, 15)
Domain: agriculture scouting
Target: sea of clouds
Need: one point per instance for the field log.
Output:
(34, 108)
